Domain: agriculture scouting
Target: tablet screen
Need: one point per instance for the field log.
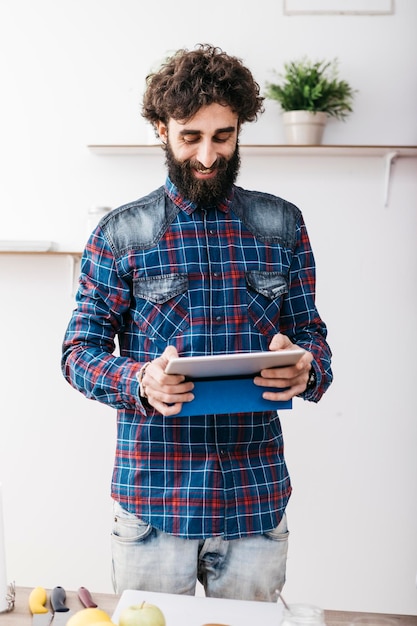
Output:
(237, 364)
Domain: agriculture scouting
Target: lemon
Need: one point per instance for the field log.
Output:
(89, 617)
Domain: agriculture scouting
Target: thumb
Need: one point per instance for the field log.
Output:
(170, 352)
(280, 342)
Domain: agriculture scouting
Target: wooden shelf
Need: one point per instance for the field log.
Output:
(266, 150)
(73, 257)
(388, 153)
(43, 252)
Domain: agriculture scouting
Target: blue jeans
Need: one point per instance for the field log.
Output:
(250, 568)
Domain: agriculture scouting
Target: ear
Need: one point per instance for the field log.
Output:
(162, 131)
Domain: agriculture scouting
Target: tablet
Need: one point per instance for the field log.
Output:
(236, 364)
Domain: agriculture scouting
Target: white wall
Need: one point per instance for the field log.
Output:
(72, 74)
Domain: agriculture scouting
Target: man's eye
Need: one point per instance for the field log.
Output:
(191, 138)
(222, 137)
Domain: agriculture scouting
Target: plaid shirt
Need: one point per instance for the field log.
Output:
(194, 287)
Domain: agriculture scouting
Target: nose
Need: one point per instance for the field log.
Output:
(206, 153)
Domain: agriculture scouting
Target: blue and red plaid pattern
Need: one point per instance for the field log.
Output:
(207, 475)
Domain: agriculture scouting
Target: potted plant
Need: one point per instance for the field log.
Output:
(308, 93)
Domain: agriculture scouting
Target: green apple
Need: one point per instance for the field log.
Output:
(144, 614)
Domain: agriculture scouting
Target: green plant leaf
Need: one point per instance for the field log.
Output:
(309, 86)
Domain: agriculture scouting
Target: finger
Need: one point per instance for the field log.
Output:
(160, 362)
(282, 396)
(304, 363)
(282, 374)
(279, 373)
(167, 409)
(171, 392)
(294, 378)
(168, 404)
(158, 395)
(170, 352)
(155, 376)
(280, 342)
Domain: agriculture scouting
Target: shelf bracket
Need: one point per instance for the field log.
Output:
(389, 160)
(74, 260)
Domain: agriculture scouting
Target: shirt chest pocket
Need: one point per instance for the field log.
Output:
(161, 305)
(265, 292)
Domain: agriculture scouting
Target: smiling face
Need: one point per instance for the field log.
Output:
(202, 153)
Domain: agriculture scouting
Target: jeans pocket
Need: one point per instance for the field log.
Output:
(128, 528)
(280, 532)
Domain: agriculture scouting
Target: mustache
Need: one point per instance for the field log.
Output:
(219, 164)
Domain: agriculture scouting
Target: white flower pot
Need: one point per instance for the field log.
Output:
(304, 127)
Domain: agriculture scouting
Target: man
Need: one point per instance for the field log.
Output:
(199, 266)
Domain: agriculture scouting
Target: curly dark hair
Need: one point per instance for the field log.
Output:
(189, 80)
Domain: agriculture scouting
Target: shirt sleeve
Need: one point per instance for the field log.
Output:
(89, 362)
(300, 319)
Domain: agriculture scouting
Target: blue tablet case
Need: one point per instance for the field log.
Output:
(229, 395)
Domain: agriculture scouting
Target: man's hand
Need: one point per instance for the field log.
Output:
(166, 392)
(294, 377)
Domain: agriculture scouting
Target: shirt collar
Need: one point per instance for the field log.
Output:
(189, 207)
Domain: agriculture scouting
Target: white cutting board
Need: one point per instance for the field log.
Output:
(182, 610)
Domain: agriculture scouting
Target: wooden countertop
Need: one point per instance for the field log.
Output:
(21, 615)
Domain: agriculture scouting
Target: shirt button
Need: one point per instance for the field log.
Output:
(212, 231)
(218, 318)
(216, 274)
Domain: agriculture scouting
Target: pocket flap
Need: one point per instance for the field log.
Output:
(160, 289)
(269, 284)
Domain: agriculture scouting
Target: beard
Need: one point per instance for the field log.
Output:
(203, 192)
